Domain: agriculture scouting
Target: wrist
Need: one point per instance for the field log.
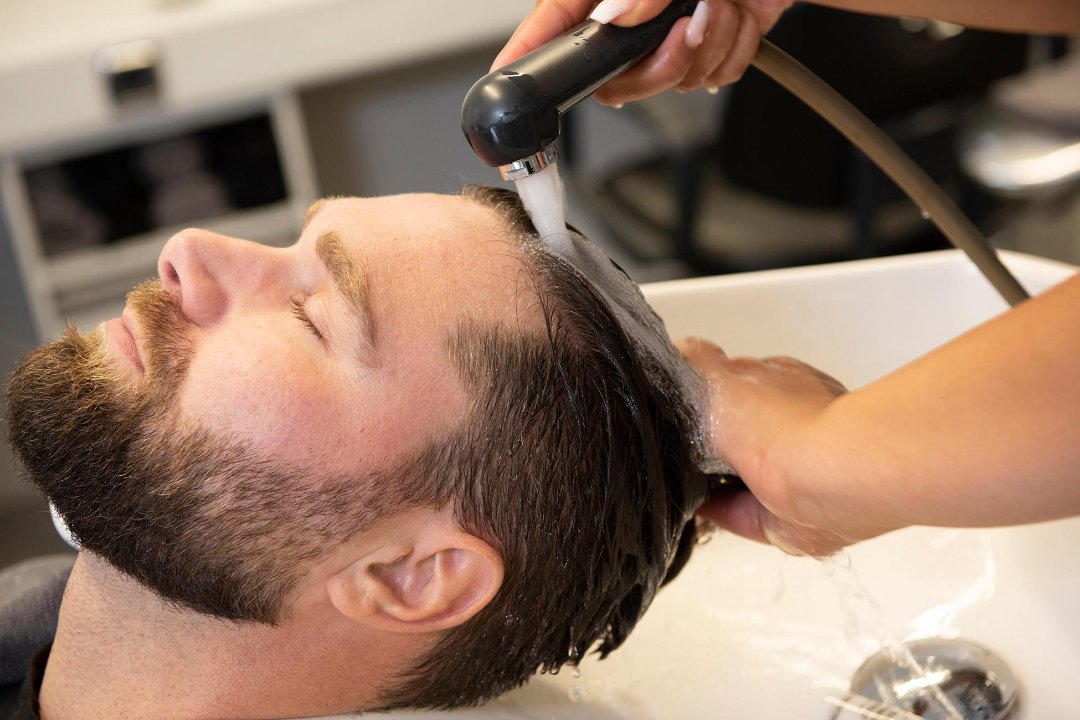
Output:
(836, 479)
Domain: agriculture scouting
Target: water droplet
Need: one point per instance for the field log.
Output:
(925, 215)
(578, 694)
(575, 672)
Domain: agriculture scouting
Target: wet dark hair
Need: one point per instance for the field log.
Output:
(574, 465)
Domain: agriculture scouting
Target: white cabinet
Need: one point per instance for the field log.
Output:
(214, 62)
(89, 217)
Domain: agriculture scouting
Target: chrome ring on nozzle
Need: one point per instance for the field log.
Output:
(530, 165)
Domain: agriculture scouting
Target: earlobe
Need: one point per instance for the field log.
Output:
(438, 581)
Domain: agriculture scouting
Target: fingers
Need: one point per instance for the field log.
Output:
(551, 18)
(711, 50)
(710, 358)
(760, 413)
(747, 37)
(740, 513)
(719, 32)
(660, 71)
(701, 353)
(693, 345)
(799, 367)
(548, 19)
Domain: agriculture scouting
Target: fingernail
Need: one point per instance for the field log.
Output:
(608, 10)
(699, 21)
(617, 106)
(713, 90)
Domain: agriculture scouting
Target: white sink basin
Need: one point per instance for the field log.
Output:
(746, 632)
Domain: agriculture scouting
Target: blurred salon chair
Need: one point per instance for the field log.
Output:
(1025, 144)
(1023, 148)
(772, 184)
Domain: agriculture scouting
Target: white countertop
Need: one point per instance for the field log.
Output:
(214, 51)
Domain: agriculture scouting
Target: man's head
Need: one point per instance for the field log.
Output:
(415, 415)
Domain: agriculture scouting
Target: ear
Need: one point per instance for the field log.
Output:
(424, 574)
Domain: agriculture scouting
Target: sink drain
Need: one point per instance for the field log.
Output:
(938, 679)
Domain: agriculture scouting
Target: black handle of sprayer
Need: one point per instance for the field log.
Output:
(573, 66)
(514, 111)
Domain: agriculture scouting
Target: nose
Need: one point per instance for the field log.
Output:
(211, 272)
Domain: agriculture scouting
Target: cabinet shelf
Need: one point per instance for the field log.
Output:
(137, 256)
(89, 284)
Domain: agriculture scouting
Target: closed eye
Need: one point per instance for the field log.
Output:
(298, 309)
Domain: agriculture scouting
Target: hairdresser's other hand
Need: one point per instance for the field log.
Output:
(712, 50)
(763, 417)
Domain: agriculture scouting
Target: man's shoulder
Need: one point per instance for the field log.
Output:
(11, 705)
(30, 595)
(20, 701)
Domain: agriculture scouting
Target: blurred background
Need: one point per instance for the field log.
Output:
(122, 121)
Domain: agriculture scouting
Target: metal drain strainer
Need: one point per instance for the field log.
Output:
(938, 679)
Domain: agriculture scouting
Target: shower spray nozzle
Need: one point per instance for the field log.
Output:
(513, 115)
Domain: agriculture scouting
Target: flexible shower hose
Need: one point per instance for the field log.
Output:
(894, 162)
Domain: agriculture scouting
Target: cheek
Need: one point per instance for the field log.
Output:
(292, 403)
(280, 398)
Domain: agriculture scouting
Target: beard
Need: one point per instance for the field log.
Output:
(201, 520)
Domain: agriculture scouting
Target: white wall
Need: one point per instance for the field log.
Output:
(397, 132)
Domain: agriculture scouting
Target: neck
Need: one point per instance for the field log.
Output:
(120, 652)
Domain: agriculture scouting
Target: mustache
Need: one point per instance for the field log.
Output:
(165, 332)
(68, 395)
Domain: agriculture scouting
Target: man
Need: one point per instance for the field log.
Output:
(408, 461)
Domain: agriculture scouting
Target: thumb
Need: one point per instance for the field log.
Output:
(701, 353)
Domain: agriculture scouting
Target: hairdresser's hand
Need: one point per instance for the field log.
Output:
(710, 50)
(763, 417)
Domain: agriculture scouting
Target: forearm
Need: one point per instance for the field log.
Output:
(983, 431)
(1053, 17)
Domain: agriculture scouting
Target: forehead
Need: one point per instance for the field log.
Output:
(420, 213)
(432, 258)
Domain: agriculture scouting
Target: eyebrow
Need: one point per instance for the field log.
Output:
(351, 280)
